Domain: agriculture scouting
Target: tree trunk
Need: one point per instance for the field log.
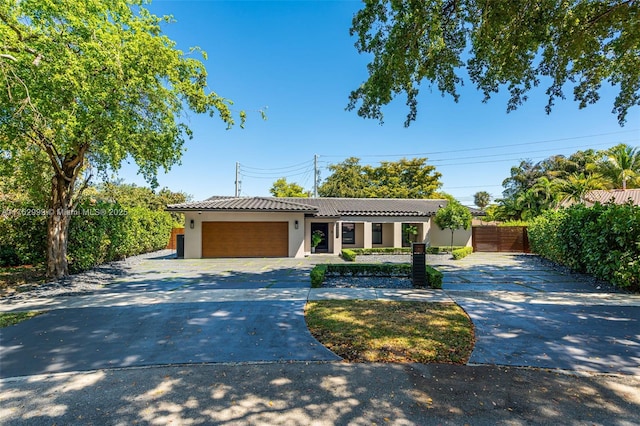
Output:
(58, 227)
(452, 231)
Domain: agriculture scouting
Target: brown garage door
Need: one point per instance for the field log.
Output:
(245, 239)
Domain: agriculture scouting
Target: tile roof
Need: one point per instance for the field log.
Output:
(617, 196)
(244, 204)
(321, 207)
(335, 207)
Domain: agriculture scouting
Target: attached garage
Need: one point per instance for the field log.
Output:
(245, 239)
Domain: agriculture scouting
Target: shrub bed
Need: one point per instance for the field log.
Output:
(320, 272)
(462, 252)
(348, 255)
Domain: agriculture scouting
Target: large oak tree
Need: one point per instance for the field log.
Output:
(89, 84)
(516, 45)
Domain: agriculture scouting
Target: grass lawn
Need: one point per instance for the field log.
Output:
(379, 331)
(8, 319)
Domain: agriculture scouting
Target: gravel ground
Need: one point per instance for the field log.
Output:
(83, 283)
(373, 282)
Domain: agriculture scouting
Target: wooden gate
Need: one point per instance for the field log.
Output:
(500, 239)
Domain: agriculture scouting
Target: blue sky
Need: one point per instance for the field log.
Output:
(297, 59)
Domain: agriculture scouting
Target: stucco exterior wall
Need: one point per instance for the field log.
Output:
(193, 237)
(440, 237)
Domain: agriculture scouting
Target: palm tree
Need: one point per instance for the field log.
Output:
(622, 165)
(577, 185)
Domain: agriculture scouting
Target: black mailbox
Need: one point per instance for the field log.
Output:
(418, 264)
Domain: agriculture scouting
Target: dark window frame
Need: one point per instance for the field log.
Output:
(348, 236)
(376, 233)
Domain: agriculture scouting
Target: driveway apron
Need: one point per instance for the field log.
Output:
(529, 314)
(172, 333)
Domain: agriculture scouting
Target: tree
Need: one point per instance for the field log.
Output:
(347, 180)
(512, 45)
(481, 199)
(622, 165)
(92, 84)
(282, 188)
(577, 185)
(401, 179)
(404, 179)
(453, 216)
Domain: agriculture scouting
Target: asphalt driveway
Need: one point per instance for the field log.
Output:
(168, 311)
(528, 313)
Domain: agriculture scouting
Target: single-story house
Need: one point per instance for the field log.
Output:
(604, 196)
(282, 227)
(616, 196)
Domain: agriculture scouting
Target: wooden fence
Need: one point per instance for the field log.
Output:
(172, 245)
(500, 239)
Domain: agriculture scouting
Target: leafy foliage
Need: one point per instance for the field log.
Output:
(481, 199)
(282, 188)
(603, 240)
(348, 255)
(461, 253)
(401, 179)
(89, 84)
(535, 187)
(453, 216)
(111, 223)
(512, 45)
(318, 273)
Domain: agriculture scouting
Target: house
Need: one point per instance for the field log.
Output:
(282, 227)
(616, 196)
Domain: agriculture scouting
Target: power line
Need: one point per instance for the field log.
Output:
(490, 147)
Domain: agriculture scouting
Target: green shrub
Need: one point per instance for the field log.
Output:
(319, 272)
(462, 252)
(113, 233)
(348, 255)
(317, 275)
(382, 250)
(434, 277)
(602, 240)
(23, 233)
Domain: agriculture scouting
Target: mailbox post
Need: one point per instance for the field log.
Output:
(419, 263)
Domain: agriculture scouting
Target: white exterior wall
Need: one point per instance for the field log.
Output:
(193, 237)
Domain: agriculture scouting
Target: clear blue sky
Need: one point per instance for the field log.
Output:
(297, 59)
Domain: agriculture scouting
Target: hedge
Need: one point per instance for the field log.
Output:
(348, 255)
(462, 252)
(99, 232)
(603, 241)
(320, 272)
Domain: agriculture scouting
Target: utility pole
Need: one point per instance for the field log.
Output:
(316, 176)
(237, 179)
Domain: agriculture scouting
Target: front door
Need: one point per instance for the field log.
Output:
(323, 247)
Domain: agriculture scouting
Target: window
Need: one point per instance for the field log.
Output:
(376, 233)
(348, 233)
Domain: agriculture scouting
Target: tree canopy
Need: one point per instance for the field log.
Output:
(282, 188)
(534, 187)
(513, 45)
(405, 178)
(453, 216)
(88, 85)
